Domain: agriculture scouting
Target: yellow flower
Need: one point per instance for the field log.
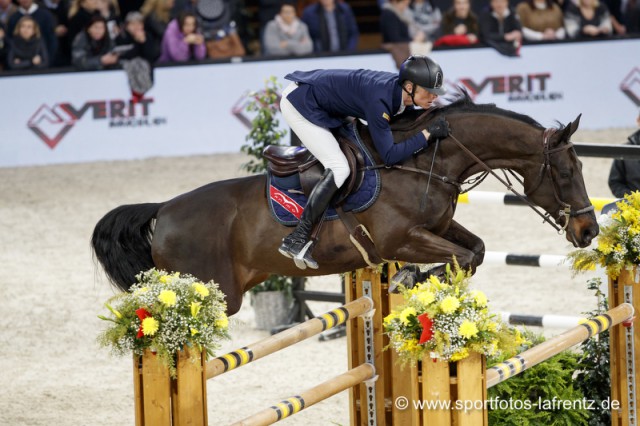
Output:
(480, 298)
(519, 339)
(461, 354)
(604, 246)
(141, 291)
(168, 297)
(406, 313)
(492, 327)
(193, 331)
(165, 279)
(195, 308)
(435, 282)
(149, 326)
(468, 329)
(222, 322)
(409, 345)
(426, 297)
(201, 289)
(389, 319)
(449, 304)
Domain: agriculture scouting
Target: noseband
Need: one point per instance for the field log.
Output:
(545, 169)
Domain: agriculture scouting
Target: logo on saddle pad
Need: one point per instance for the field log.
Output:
(285, 201)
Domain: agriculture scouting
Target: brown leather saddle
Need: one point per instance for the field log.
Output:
(285, 161)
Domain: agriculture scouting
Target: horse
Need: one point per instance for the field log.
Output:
(224, 231)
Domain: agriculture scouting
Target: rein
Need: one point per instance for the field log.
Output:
(545, 168)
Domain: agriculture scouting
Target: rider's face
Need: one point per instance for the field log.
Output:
(423, 98)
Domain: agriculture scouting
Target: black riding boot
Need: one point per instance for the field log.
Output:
(297, 244)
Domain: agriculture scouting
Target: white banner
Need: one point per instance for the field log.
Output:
(87, 116)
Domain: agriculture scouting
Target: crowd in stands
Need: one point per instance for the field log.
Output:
(99, 34)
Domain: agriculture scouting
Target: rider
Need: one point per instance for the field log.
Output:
(319, 100)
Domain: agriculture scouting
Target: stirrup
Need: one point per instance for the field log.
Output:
(303, 259)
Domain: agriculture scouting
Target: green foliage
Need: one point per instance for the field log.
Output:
(538, 386)
(265, 131)
(593, 376)
(264, 126)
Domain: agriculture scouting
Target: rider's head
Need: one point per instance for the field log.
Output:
(421, 71)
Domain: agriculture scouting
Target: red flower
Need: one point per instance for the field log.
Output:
(142, 313)
(427, 328)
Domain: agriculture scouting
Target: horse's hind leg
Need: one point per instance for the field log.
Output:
(425, 247)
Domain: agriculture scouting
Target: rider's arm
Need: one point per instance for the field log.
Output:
(390, 152)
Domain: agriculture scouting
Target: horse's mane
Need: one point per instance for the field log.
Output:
(461, 102)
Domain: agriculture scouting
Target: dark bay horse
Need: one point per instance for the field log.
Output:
(224, 230)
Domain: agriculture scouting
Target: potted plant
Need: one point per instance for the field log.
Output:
(271, 300)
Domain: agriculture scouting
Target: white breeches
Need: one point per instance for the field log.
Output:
(318, 140)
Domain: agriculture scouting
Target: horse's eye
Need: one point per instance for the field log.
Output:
(565, 174)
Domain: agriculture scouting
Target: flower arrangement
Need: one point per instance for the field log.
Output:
(447, 321)
(618, 244)
(164, 312)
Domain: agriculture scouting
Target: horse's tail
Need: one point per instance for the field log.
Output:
(121, 242)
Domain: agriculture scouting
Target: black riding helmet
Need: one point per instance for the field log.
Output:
(423, 71)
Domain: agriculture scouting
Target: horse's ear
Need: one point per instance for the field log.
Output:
(568, 130)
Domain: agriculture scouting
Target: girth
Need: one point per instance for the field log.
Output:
(287, 160)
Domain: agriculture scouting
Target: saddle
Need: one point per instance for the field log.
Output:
(285, 161)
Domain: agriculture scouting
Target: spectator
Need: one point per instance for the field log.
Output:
(286, 34)
(399, 34)
(3, 46)
(624, 177)
(183, 41)
(135, 35)
(43, 18)
(157, 14)
(427, 17)
(110, 11)
(332, 26)
(60, 11)
(27, 49)
(7, 8)
(501, 29)
(459, 25)
(92, 49)
(267, 11)
(80, 14)
(541, 20)
(589, 19)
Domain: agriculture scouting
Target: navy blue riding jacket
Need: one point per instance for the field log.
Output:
(325, 97)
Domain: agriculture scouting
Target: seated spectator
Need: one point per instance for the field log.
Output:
(220, 29)
(286, 34)
(589, 19)
(332, 26)
(135, 35)
(80, 14)
(60, 11)
(157, 14)
(267, 10)
(92, 49)
(501, 29)
(27, 49)
(459, 25)
(7, 8)
(624, 176)
(182, 41)
(43, 18)
(541, 20)
(400, 36)
(427, 17)
(110, 11)
(3, 46)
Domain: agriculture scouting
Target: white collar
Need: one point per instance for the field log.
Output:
(32, 9)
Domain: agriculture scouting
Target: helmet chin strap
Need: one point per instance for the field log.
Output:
(411, 93)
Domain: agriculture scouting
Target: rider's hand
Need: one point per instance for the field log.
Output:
(438, 129)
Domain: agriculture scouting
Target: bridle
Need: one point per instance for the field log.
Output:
(545, 170)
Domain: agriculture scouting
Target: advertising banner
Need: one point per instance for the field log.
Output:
(199, 109)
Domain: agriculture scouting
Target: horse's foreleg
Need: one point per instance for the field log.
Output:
(422, 246)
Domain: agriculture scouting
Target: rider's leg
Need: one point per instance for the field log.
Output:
(321, 143)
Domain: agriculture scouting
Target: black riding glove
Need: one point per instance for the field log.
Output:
(438, 130)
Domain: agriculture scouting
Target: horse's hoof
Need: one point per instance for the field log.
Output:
(405, 277)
